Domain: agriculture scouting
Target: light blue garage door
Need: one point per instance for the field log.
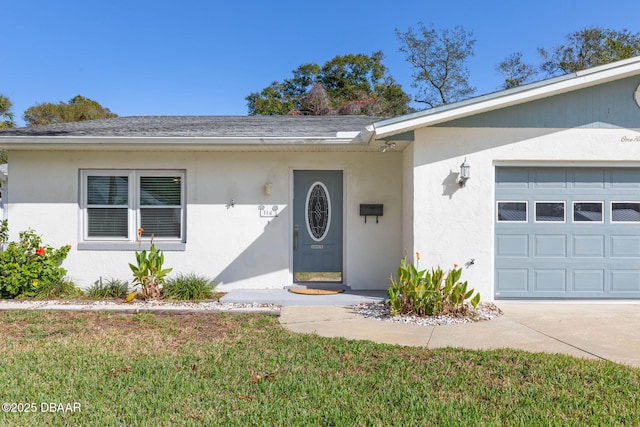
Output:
(568, 233)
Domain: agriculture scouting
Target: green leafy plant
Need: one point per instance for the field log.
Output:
(4, 231)
(27, 264)
(428, 292)
(188, 287)
(64, 288)
(110, 288)
(148, 272)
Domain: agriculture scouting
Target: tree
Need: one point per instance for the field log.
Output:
(588, 48)
(347, 84)
(6, 116)
(6, 121)
(438, 58)
(515, 71)
(77, 109)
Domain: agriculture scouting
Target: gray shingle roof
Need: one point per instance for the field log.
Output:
(203, 126)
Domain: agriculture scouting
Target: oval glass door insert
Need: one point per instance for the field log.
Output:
(318, 211)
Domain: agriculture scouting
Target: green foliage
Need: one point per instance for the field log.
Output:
(515, 71)
(77, 109)
(148, 273)
(64, 288)
(428, 293)
(110, 288)
(4, 231)
(438, 59)
(588, 48)
(6, 116)
(27, 265)
(188, 287)
(347, 84)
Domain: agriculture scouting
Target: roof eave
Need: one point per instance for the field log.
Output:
(95, 142)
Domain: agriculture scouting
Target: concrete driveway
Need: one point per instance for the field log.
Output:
(605, 331)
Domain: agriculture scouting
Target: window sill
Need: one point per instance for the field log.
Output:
(131, 246)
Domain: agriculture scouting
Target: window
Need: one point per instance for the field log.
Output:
(625, 211)
(550, 212)
(587, 211)
(118, 203)
(512, 211)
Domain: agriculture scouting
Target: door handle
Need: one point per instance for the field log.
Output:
(296, 229)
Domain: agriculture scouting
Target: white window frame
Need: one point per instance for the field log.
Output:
(611, 221)
(573, 210)
(526, 213)
(133, 207)
(535, 212)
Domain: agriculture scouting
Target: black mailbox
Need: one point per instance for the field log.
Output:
(370, 210)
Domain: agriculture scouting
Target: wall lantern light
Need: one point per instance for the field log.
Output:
(465, 173)
(268, 187)
(387, 146)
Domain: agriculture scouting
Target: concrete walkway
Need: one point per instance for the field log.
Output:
(283, 297)
(606, 331)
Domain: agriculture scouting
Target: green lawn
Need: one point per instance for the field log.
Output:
(225, 369)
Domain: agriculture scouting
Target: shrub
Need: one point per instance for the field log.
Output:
(148, 273)
(64, 288)
(28, 264)
(4, 231)
(111, 288)
(188, 287)
(428, 293)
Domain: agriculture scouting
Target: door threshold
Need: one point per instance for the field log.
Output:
(319, 285)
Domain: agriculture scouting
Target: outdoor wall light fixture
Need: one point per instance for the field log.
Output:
(388, 146)
(268, 187)
(465, 173)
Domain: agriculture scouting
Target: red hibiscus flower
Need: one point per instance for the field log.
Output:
(40, 251)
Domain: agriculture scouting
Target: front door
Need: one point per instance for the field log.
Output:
(317, 226)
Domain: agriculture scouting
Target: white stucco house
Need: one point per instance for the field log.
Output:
(550, 209)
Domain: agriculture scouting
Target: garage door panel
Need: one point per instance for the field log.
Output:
(550, 246)
(588, 280)
(513, 279)
(591, 251)
(625, 179)
(517, 178)
(589, 179)
(625, 281)
(550, 280)
(514, 245)
(588, 246)
(550, 178)
(625, 246)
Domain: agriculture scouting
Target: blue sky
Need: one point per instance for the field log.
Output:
(142, 57)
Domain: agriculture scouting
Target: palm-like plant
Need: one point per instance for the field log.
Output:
(148, 273)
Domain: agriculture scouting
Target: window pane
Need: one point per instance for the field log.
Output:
(550, 211)
(108, 222)
(587, 211)
(512, 211)
(161, 222)
(625, 211)
(160, 190)
(107, 190)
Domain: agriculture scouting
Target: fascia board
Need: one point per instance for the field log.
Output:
(44, 142)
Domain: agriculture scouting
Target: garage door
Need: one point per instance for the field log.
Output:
(567, 233)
